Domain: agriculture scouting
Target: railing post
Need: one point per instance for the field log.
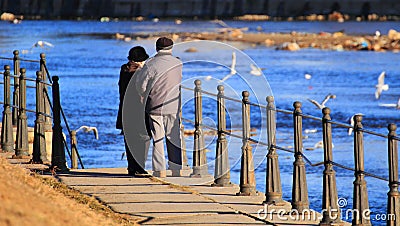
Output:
(273, 188)
(7, 138)
(39, 154)
(331, 213)
(299, 190)
(199, 153)
(360, 194)
(16, 87)
(393, 206)
(222, 172)
(247, 177)
(22, 145)
(58, 153)
(46, 103)
(74, 151)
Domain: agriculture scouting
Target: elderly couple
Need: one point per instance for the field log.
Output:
(155, 105)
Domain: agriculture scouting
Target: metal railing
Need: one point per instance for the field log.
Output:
(48, 115)
(273, 190)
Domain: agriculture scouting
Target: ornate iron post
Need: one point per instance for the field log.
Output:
(222, 172)
(331, 213)
(199, 153)
(74, 151)
(247, 177)
(273, 188)
(360, 194)
(299, 190)
(22, 146)
(39, 140)
(46, 106)
(58, 154)
(16, 87)
(7, 138)
(393, 206)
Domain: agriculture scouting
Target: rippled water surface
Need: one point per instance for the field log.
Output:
(87, 58)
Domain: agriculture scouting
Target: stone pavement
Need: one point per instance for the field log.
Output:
(177, 200)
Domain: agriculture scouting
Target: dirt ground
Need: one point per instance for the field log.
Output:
(29, 199)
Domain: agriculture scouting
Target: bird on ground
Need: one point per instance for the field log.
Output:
(381, 86)
(233, 68)
(322, 104)
(397, 106)
(255, 70)
(351, 121)
(87, 129)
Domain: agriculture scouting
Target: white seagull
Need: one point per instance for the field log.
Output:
(351, 121)
(42, 44)
(255, 70)
(233, 66)
(397, 106)
(322, 104)
(87, 129)
(307, 76)
(381, 86)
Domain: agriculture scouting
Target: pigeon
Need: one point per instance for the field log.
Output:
(87, 129)
(397, 106)
(322, 104)
(233, 66)
(381, 86)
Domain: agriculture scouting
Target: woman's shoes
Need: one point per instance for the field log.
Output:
(138, 173)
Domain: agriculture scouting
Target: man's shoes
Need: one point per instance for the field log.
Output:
(176, 173)
(161, 173)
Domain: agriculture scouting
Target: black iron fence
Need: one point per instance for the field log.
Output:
(48, 114)
(273, 190)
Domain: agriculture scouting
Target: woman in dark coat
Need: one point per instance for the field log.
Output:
(136, 151)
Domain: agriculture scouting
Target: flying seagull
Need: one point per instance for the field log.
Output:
(381, 86)
(42, 44)
(322, 104)
(351, 121)
(87, 129)
(255, 70)
(397, 106)
(233, 66)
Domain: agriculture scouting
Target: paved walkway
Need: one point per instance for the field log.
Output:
(175, 200)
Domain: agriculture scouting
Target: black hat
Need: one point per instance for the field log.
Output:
(137, 54)
(164, 43)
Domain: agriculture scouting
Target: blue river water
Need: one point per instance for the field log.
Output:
(87, 58)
